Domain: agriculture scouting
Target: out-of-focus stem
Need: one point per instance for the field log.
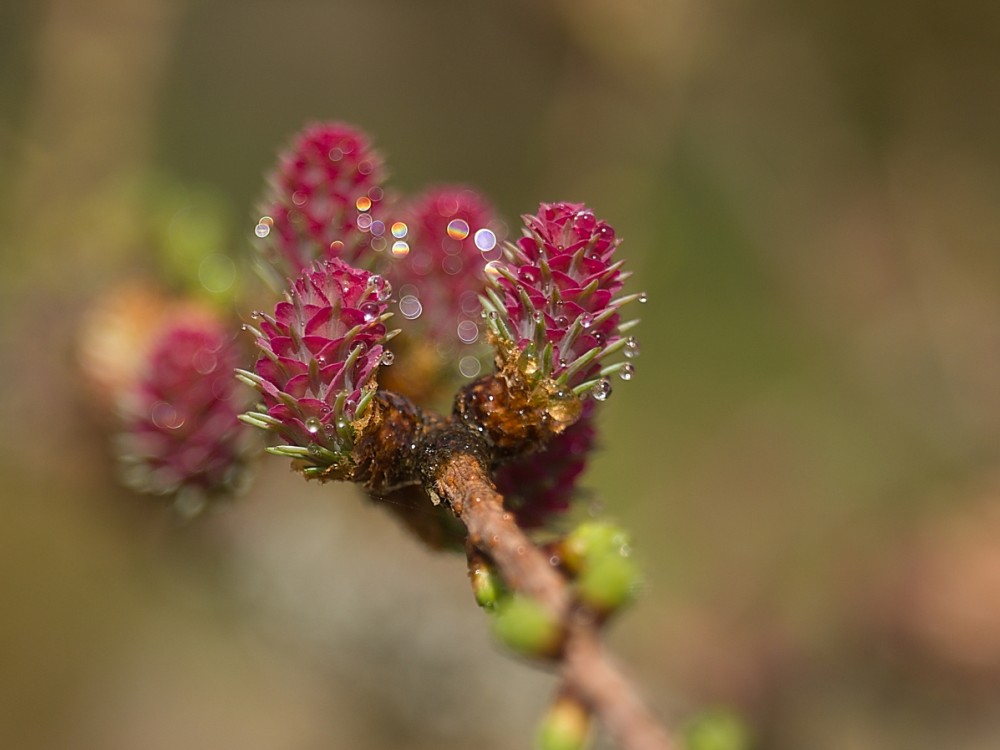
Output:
(462, 481)
(590, 673)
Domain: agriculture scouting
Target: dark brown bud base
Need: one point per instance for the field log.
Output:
(516, 412)
(495, 418)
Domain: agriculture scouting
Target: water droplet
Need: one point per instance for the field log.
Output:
(299, 198)
(336, 246)
(586, 320)
(365, 167)
(554, 561)
(383, 289)
(452, 264)
(564, 407)
(601, 389)
(388, 357)
(643, 298)
(458, 229)
(631, 347)
(255, 315)
(468, 332)
(399, 230)
(469, 302)
(204, 361)
(376, 193)
(485, 240)
(492, 269)
(262, 229)
(627, 371)
(469, 366)
(493, 315)
(378, 228)
(410, 307)
(364, 221)
(313, 425)
(165, 416)
(335, 154)
(216, 272)
(400, 249)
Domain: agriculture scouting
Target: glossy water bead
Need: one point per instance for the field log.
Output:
(458, 229)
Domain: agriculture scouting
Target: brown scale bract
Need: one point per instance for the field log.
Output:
(385, 450)
(515, 412)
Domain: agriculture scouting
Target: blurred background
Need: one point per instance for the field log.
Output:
(808, 455)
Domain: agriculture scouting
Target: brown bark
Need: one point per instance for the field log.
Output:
(587, 671)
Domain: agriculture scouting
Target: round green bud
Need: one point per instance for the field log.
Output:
(565, 726)
(592, 539)
(486, 586)
(608, 582)
(716, 730)
(525, 626)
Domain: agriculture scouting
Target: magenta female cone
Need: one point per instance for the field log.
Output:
(181, 434)
(446, 235)
(319, 354)
(325, 200)
(553, 311)
(552, 302)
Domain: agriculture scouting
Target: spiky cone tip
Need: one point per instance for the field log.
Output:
(553, 304)
(554, 321)
(325, 200)
(320, 352)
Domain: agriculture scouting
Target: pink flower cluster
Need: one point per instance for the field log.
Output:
(551, 301)
(554, 300)
(325, 200)
(180, 428)
(450, 235)
(319, 353)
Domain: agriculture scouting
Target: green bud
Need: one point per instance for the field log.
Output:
(565, 726)
(592, 539)
(486, 585)
(716, 730)
(608, 582)
(525, 626)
